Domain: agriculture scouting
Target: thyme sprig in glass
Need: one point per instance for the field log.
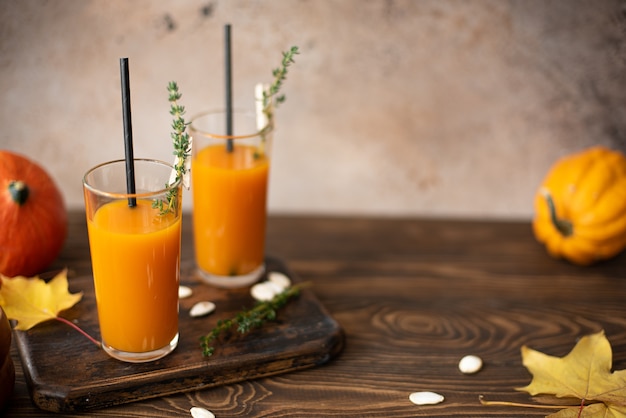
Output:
(248, 320)
(182, 149)
(280, 75)
(264, 95)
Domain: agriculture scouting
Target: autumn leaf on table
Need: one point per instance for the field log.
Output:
(584, 373)
(584, 376)
(31, 301)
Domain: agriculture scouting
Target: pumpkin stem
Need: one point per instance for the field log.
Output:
(564, 226)
(19, 191)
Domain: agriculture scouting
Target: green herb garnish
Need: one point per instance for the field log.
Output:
(280, 74)
(265, 99)
(182, 149)
(246, 321)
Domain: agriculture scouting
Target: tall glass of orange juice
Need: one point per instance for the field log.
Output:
(135, 255)
(229, 175)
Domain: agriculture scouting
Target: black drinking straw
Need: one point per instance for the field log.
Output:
(229, 88)
(128, 132)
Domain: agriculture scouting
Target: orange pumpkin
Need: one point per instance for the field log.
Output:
(33, 219)
(580, 208)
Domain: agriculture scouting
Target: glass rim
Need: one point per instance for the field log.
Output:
(267, 128)
(143, 195)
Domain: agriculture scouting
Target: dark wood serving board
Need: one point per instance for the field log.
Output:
(65, 372)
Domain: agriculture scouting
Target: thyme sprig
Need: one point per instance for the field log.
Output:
(280, 75)
(182, 149)
(248, 320)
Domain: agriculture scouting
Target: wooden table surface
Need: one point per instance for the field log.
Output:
(413, 296)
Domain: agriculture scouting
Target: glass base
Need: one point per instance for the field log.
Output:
(141, 357)
(232, 282)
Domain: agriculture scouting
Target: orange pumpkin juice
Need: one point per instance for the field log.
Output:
(135, 256)
(229, 208)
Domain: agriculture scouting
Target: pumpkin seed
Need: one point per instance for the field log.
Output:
(276, 288)
(184, 292)
(425, 398)
(470, 364)
(201, 309)
(263, 291)
(280, 279)
(197, 412)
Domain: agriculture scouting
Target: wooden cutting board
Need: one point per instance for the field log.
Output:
(65, 372)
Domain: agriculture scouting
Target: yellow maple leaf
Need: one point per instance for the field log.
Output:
(31, 301)
(584, 373)
(591, 411)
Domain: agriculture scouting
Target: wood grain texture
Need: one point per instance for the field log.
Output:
(412, 296)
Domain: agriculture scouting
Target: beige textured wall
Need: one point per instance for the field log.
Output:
(435, 108)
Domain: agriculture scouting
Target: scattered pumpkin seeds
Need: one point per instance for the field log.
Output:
(275, 284)
(184, 292)
(276, 288)
(425, 398)
(201, 309)
(470, 364)
(280, 279)
(197, 412)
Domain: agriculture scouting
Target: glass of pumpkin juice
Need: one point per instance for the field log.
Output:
(135, 241)
(229, 175)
